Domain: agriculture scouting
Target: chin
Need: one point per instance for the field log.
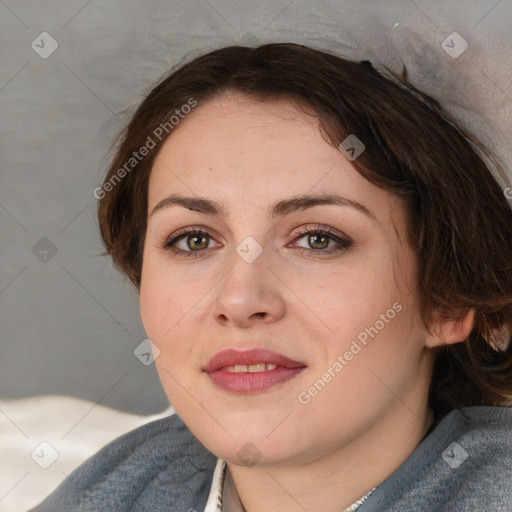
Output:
(246, 444)
(242, 452)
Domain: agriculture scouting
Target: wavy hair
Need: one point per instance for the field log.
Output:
(460, 223)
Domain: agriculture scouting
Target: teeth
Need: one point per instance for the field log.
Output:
(259, 367)
(252, 368)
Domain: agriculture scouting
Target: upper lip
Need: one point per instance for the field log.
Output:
(230, 356)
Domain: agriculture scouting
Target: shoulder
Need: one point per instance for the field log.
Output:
(478, 426)
(475, 465)
(464, 464)
(153, 467)
(477, 438)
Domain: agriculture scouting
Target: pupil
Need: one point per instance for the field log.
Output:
(199, 245)
(314, 239)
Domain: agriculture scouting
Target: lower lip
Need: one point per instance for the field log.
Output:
(247, 382)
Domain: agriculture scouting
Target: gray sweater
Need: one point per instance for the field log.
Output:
(463, 465)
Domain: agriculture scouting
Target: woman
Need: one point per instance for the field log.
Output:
(324, 264)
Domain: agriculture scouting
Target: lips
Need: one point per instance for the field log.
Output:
(232, 357)
(251, 371)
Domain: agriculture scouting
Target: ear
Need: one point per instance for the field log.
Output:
(451, 331)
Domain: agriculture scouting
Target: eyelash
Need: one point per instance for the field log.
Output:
(343, 242)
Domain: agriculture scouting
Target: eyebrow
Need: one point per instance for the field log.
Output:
(279, 209)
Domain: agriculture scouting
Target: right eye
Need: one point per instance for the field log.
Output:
(188, 242)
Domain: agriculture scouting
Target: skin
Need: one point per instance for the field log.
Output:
(247, 155)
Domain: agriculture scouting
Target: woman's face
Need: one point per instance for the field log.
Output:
(332, 286)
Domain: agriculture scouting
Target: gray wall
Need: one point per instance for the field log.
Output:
(69, 322)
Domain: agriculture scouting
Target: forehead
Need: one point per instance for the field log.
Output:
(250, 153)
(235, 129)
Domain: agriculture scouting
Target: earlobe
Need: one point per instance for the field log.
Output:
(449, 332)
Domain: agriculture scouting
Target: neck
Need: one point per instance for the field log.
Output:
(339, 478)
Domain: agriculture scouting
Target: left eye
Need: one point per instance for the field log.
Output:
(322, 241)
(317, 240)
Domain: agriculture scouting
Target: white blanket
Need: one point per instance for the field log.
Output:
(43, 439)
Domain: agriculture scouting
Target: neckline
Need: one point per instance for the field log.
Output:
(231, 498)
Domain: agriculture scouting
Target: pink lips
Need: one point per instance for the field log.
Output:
(248, 382)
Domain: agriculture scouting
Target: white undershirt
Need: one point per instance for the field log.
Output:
(214, 503)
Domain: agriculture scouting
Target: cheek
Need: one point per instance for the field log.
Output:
(158, 305)
(374, 305)
(353, 298)
(170, 305)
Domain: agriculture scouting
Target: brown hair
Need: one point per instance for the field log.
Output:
(460, 221)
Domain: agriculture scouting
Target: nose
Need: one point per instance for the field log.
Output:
(249, 294)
